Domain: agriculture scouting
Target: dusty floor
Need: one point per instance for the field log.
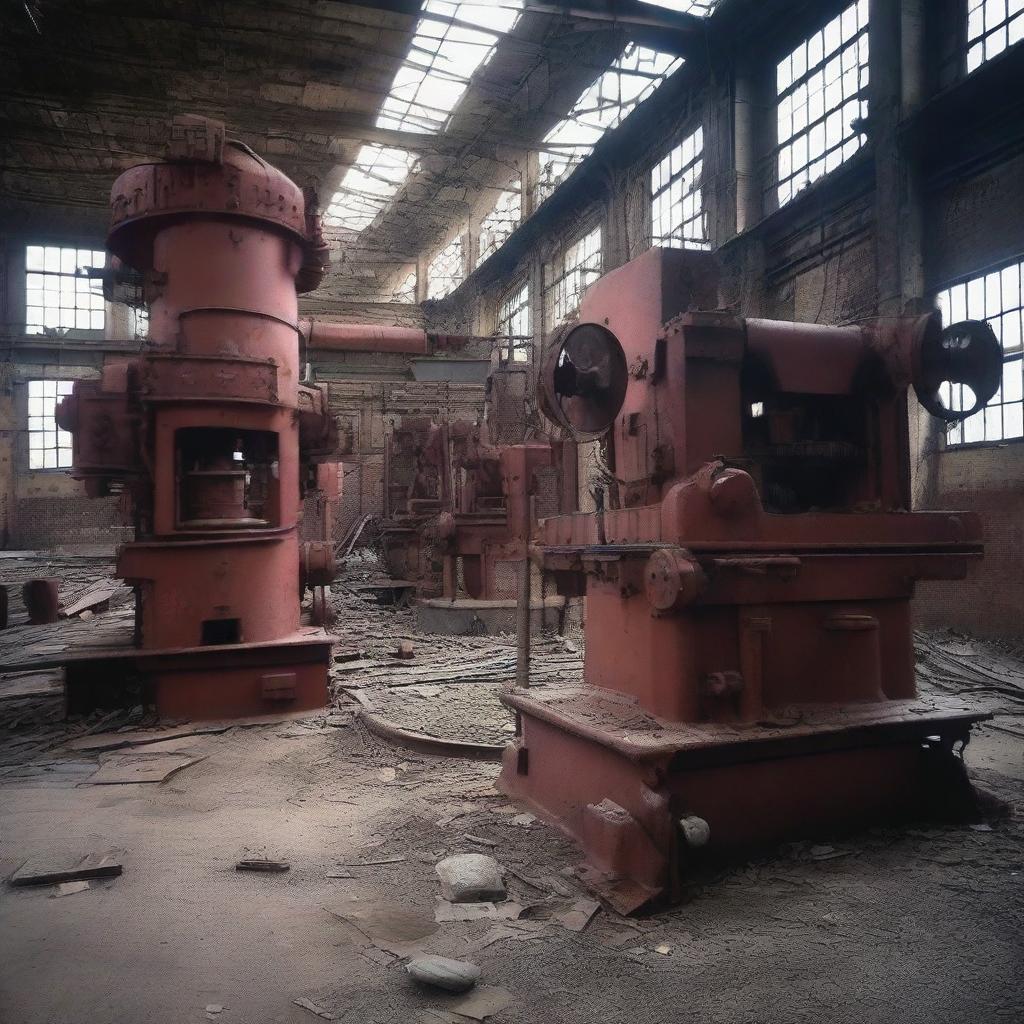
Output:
(919, 924)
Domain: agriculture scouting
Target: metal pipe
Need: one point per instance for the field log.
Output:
(364, 338)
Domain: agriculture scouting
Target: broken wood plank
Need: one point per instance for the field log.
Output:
(125, 769)
(47, 869)
(275, 867)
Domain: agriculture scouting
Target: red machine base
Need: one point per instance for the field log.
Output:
(204, 683)
(648, 799)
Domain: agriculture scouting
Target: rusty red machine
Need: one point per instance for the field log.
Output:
(210, 430)
(749, 669)
(460, 514)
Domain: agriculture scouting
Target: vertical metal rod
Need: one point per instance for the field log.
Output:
(523, 610)
(523, 623)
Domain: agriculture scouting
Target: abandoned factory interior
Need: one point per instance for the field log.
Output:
(512, 511)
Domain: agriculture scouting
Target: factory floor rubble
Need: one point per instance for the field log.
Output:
(922, 923)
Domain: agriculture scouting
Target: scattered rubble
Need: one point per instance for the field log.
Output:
(259, 864)
(441, 972)
(47, 869)
(471, 878)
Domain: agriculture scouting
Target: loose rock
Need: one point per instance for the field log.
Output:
(441, 972)
(471, 878)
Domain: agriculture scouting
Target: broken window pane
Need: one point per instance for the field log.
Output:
(452, 41)
(445, 272)
(822, 89)
(992, 27)
(995, 297)
(59, 295)
(603, 106)
(368, 186)
(678, 220)
(500, 222)
(702, 8)
(577, 269)
(48, 447)
(514, 324)
(406, 291)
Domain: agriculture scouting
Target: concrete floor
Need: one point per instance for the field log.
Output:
(920, 924)
(911, 925)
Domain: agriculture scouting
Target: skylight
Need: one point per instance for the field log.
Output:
(368, 186)
(442, 58)
(603, 106)
(702, 8)
(452, 41)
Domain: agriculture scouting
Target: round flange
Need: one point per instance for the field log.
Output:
(963, 355)
(672, 579)
(583, 380)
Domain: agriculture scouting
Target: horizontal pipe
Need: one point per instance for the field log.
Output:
(332, 337)
(364, 338)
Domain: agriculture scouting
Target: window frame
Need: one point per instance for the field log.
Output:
(798, 181)
(59, 282)
(516, 351)
(457, 277)
(61, 388)
(565, 273)
(685, 170)
(969, 42)
(1015, 357)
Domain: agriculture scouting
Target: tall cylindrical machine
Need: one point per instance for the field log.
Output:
(208, 428)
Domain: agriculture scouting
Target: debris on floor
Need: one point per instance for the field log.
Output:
(471, 878)
(273, 867)
(70, 888)
(46, 869)
(308, 1004)
(125, 769)
(443, 972)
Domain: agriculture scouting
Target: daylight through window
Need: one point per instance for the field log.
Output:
(514, 324)
(603, 106)
(58, 296)
(503, 219)
(579, 267)
(452, 41)
(678, 220)
(48, 447)
(823, 92)
(445, 272)
(995, 297)
(992, 26)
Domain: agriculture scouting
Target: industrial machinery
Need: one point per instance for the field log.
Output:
(498, 494)
(460, 501)
(749, 669)
(208, 429)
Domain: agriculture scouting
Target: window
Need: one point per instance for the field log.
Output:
(992, 26)
(58, 295)
(514, 324)
(575, 272)
(500, 222)
(995, 297)
(823, 93)
(677, 214)
(48, 447)
(140, 321)
(702, 8)
(445, 272)
(368, 186)
(406, 291)
(603, 106)
(451, 42)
